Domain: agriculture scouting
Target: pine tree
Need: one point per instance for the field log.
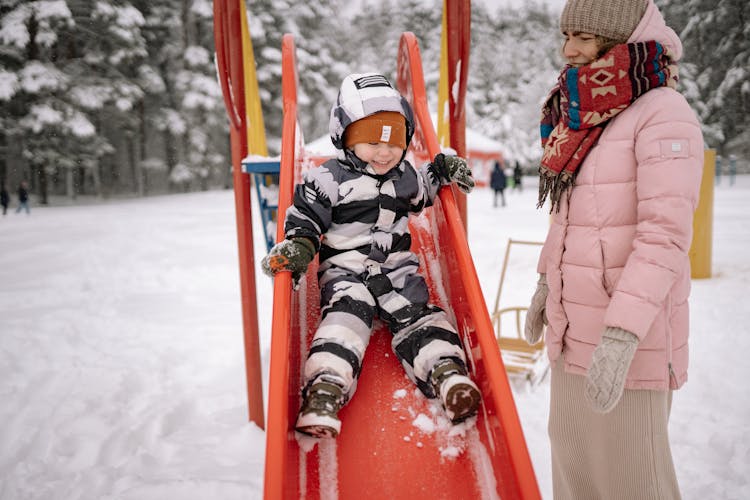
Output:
(320, 62)
(46, 113)
(108, 46)
(110, 96)
(268, 21)
(715, 71)
(515, 61)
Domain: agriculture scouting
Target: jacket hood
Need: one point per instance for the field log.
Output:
(653, 27)
(364, 94)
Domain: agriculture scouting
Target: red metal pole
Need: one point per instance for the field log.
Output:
(277, 483)
(458, 17)
(228, 44)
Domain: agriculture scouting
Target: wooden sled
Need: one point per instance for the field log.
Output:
(522, 361)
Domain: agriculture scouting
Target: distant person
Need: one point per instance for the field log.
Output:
(23, 198)
(732, 169)
(4, 198)
(517, 177)
(621, 169)
(718, 169)
(498, 182)
(354, 210)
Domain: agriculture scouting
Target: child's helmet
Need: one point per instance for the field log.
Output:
(364, 94)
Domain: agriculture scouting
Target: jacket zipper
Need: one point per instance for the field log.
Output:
(672, 377)
(668, 326)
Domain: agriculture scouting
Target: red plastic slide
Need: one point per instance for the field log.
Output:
(394, 443)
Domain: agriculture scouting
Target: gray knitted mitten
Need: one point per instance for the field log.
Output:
(536, 316)
(605, 380)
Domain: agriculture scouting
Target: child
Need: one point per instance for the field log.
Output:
(359, 204)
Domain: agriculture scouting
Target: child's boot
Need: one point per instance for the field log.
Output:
(318, 415)
(459, 394)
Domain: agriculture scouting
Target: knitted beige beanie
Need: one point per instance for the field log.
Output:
(615, 19)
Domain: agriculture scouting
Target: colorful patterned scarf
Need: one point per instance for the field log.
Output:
(585, 99)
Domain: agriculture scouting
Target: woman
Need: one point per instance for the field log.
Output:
(621, 167)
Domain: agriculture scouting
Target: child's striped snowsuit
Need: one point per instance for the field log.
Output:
(367, 269)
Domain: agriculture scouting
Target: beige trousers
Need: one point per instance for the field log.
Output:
(623, 454)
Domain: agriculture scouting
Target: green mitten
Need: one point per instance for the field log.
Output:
(289, 255)
(454, 169)
(536, 316)
(605, 380)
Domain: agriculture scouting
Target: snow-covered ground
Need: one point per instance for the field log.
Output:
(121, 356)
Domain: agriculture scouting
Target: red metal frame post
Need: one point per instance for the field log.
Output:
(228, 44)
(458, 17)
(277, 483)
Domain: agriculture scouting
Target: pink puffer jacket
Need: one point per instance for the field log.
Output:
(617, 252)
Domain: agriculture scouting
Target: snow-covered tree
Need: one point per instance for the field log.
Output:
(715, 74)
(372, 44)
(321, 61)
(514, 62)
(86, 84)
(109, 48)
(40, 109)
(112, 96)
(190, 112)
(268, 21)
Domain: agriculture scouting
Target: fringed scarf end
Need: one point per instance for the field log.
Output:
(553, 185)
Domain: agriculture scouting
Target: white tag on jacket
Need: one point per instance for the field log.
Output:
(674, 148)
